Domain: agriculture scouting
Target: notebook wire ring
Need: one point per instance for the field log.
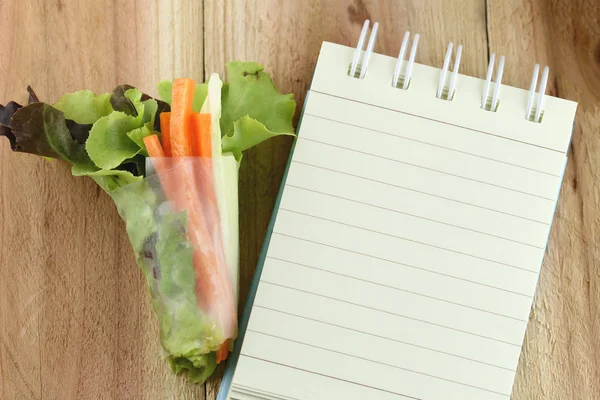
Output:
(358, 69)
(485, 100)
(538, 110)
(361, 67)
(404, 79)
(441, 94)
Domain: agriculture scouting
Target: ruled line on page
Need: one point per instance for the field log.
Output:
(377, 362)
(388, 312)
(413, 215)
(437, 120)
(396, 288)
(405, 239)
(318, 132)
(420, 192)
(400, 302)
(331, 377)
(426, 168)
(406, 265)
(255, 395)
(400, 137)
(411, 279)
(256, 392)
(406, 330)
(383, 337)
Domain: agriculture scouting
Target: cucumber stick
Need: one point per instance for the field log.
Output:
(225, 174)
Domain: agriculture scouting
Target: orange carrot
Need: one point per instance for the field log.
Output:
(165, 131)
(202, 141)
(161, 164)
(156, 151)
(202, 135)
(181, 109)
(223, 352)
(153, 145)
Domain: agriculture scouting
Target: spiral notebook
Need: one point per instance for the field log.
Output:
(404, 251)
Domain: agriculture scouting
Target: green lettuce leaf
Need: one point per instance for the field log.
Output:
(108, 144)
(136, 203)
(138, 135)
(84, 107)
(109, 180)
(251, 92)
(165, 88)
(247, 133)
(134, 103)
(145, 111)
(159, 239)
(135, 100)
(123, 103)
(172, 242)
(199, 368)
(186, 334)
(127, 99)
(253, 109)
(150, 109)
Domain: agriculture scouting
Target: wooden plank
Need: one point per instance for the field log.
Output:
(286, 37)
(76, 320)
(562, 347)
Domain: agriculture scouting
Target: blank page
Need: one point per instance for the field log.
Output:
(407, 241)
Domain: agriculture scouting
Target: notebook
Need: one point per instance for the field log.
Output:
(404, 251)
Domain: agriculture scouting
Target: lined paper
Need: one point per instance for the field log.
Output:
(407, 245)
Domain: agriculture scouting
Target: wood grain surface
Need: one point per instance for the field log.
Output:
(75, 317)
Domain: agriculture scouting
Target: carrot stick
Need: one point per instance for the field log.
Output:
(223, 352)
(202, 141)
(165, 131)
(181, 109)
(202, 135)
(220, 355)
(156, 151)
(153, 145)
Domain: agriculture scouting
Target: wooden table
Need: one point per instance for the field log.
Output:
(75, 317)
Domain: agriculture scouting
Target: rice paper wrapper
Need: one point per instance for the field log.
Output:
(173, 224)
